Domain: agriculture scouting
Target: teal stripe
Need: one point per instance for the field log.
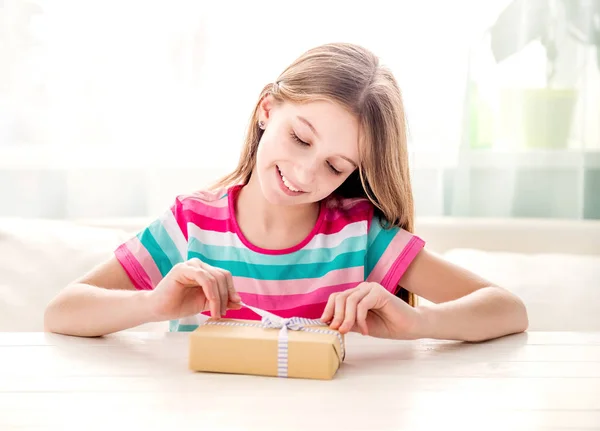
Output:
(174, 326)
(379, 244)
(167, 244)
(237, 254)
(186, 328)
(161, 247)
(374, 230)
(285, 272)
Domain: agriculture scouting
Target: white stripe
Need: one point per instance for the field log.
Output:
(320, 241)
(196, 319)
(351, 230)
(209, 237)
(174, 231)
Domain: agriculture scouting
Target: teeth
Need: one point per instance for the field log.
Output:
(287, 184)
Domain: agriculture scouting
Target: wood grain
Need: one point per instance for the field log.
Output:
(532, 381)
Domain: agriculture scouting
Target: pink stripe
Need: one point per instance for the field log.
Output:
(334, 226)
(209, 197)
(391, 280)
(208, 223)
(199, 204)
(177, 210)
(231, 198)
(284, 302)
(145, 265)
(298, 286)
(359, 207)
(311, 311)
(390, 255)
(206, 203)
(136, 273)
(207, 210)
(348, 203)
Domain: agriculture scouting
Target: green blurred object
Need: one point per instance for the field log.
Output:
(524, 21)
(481, 120)
(537, 117)
(542, 117)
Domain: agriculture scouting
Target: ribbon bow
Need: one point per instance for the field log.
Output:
(294, 323)
(272, 321)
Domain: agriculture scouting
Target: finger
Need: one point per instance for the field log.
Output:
(221, 287)
(231, 299)
(329, 307)
(184, 274)
(210, 288)
(228, 295)
(234, 306)
(351, 306)
(191, 274)
(232, 293)
(194, 261)
(362, 309)
(340, 308)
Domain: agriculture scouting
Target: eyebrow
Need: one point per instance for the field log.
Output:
(305, 121)
(311, 127)
(349, 161)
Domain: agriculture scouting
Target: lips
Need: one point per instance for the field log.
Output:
(288, 183)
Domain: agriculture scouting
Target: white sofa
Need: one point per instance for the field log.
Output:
(554, 265)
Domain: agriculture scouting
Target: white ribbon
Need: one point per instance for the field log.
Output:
(270, 320)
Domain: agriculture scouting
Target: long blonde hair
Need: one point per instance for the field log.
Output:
(352, 76)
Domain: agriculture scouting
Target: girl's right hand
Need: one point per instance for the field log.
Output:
(190, 288)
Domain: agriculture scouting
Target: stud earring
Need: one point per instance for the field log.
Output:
(261, 124)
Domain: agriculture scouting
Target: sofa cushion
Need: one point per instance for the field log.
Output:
(561, 291)
(40, 257)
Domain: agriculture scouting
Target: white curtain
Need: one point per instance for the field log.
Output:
(531, 136)
(110, 108)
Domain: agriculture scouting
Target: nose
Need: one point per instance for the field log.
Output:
(306, 172)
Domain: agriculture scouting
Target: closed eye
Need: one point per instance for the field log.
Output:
(334, 170)
(297, 139)
(305, 144)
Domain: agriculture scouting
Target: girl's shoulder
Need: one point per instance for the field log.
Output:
(207, 196)
(354, 207)
(349, 211)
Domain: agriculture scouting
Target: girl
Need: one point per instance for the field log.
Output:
(316, 221)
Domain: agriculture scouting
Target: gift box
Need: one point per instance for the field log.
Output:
(294, 347)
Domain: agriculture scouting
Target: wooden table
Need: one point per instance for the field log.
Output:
(531, 381)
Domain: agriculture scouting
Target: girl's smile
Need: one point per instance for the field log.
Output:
(286, 185)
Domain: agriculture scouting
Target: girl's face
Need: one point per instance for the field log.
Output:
(306, 152)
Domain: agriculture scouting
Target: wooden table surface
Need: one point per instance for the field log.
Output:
(125, 381)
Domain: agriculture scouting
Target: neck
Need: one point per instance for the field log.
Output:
(257, 218)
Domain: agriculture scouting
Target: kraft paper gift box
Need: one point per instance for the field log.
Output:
(295, 347)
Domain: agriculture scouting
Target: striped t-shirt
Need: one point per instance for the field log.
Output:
(346, 247)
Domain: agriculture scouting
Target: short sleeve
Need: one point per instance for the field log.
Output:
(389, 253)
(151, 253)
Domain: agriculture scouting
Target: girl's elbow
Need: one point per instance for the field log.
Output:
(523, 316)
(50, 317)
(518, 312)
(54, 314)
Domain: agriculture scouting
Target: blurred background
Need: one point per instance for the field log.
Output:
(111, 108)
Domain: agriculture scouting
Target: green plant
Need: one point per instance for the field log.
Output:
(523, 21)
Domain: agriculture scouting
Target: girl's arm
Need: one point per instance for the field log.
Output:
(105, 300)
(465, 306)
(102, 302)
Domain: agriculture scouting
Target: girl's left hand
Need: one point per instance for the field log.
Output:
(372, 310)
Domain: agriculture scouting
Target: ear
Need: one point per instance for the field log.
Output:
(265, 107)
